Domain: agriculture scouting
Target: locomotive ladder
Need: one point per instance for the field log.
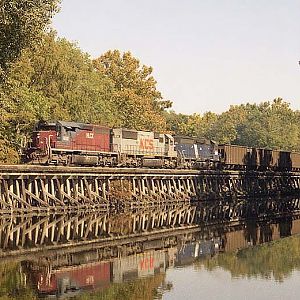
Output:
(27, 188)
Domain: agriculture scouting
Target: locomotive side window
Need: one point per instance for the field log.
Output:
(129, 134)
(58, 132)
(156, 135)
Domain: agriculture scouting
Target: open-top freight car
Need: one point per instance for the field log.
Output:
(249, 158)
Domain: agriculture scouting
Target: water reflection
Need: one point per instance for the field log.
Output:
(18, 233)
(130, 254)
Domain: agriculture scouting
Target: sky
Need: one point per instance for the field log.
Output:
(206, 54)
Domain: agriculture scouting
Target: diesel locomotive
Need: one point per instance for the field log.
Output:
(71, 143)
(80, 144)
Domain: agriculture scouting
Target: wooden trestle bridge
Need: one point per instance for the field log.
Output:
(28, 188)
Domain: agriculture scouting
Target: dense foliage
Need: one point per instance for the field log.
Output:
(138, 102)
(56, 80)
(268, 124)
(21, 23)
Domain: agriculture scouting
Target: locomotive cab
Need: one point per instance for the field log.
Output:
(42, 139)
(170, 146)
(44, 135)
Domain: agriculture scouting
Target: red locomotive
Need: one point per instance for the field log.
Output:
(68, 142)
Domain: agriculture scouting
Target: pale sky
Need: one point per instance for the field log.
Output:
(206, 54)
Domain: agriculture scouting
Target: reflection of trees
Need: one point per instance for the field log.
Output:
(277, 259)
(12, 283)
(146, 288)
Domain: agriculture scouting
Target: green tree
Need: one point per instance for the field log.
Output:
(272, 125)
(190, 125)
(21, 23)
(175, 121)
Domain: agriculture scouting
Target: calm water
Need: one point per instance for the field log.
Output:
(53, 257)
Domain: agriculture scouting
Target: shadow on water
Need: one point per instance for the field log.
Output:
(126, 255)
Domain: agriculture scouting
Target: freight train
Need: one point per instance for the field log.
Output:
(79, 144)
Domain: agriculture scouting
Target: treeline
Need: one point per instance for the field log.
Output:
(271, 124)
(44, 77)
(277, 259)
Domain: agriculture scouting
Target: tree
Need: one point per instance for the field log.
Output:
(174, 122)
(138, 102)
(21, 23)
(271, 125)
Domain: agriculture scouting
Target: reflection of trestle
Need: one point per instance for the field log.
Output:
(216, 211)
(86, 188)
(164, 219)
(36, 231)
(26, 193)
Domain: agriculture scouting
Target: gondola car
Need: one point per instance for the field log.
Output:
(234, 156)
(295, 161)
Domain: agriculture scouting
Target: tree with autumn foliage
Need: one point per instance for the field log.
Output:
(21, 24)
(139, 104)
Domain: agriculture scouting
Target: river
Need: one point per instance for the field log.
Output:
(151, 253)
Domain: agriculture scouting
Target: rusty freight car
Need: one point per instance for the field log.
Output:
(295, 161)
(234, 156)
